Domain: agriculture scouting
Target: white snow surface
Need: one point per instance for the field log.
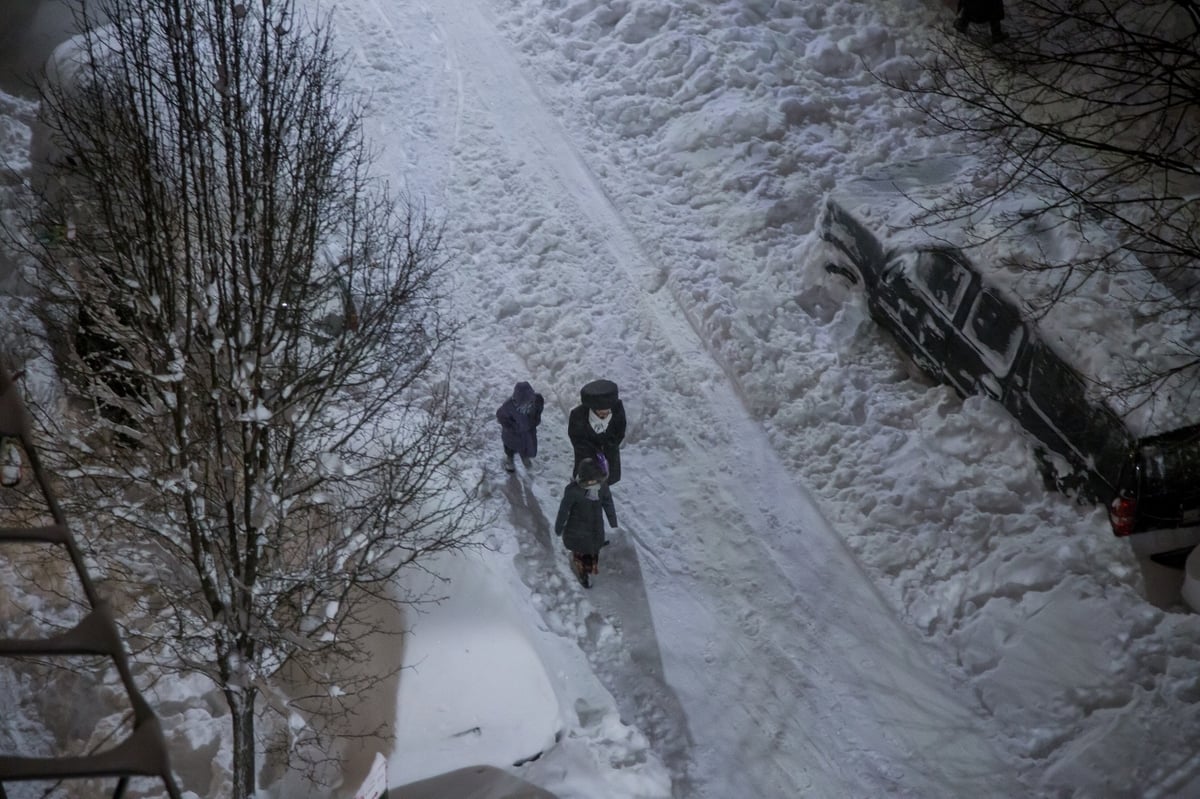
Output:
(831, 578)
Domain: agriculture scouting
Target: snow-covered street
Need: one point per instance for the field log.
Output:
(622, 217)
(776, 652)
(831, 578)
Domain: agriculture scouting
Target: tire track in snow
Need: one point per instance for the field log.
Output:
(631, 688)
(777, 644)
(375, 31)
(610, 639)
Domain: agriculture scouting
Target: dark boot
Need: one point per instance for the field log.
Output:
(998, 35)
(580, 569)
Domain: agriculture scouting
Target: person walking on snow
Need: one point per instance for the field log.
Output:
(586, 501)
(990, 12)
(519, 417)
(597, 426)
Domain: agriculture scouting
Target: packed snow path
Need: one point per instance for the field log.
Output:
(761, 660)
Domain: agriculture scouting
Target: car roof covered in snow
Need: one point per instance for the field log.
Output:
(1115, 327)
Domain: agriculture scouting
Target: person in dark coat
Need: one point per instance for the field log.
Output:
(597, 425)
(519, 417)
(989, 12)
(586, 501)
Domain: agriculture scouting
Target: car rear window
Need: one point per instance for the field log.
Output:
(1171, 465)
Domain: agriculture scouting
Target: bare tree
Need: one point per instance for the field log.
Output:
(267, 435)
(1091, 114)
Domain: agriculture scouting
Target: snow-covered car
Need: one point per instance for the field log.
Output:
(966, 329)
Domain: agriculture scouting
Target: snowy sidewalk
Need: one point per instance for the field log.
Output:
(782, 670)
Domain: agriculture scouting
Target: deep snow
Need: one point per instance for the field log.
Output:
(831, 578)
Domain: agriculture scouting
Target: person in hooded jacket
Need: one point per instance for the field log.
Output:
(519, 417)
(586, 501)
(597, 426)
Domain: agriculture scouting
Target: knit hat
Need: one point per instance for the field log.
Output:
(589, 472)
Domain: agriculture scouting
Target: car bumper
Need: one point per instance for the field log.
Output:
(1158, 542)
(1191, 581)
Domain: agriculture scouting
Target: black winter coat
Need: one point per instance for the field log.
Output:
(981, 10)
(587, 442)
(580, 520)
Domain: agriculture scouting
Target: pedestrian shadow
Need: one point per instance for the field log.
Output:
(524, 510)
(643, 693)
(618, 600)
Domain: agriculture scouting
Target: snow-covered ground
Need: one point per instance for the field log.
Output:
(830, 578)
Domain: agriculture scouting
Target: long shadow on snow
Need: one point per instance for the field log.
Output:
(619, 593)
(525, 512)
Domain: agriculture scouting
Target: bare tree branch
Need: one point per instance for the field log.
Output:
(265, 434)
(1090, 115)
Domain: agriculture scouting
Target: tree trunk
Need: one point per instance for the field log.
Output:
(241, 713)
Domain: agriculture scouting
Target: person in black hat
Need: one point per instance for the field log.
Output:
(597, 426)
(586, 501)
(983, 12)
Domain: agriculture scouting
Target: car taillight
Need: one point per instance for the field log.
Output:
(1122, 514)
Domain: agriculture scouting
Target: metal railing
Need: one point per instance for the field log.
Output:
(143, 753)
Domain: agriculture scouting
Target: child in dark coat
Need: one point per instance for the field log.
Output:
(586, 501)
(519, 417)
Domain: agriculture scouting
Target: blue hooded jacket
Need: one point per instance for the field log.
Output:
(519, 418)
